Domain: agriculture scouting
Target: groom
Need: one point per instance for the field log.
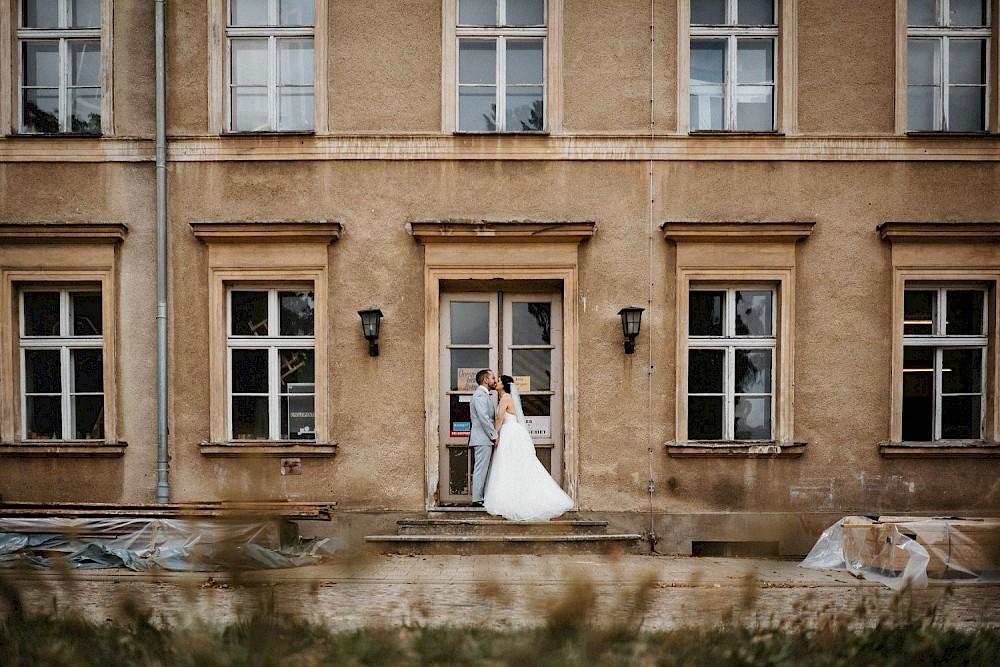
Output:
(483, 436)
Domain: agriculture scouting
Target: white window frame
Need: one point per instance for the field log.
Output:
(272, 343)
(272, 32)
(732, 32)
(940, 341)
(944, 33)
(65, 343)
(64, 35)
(730, 342)
(501, 34)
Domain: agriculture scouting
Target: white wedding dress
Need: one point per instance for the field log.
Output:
(518, 487)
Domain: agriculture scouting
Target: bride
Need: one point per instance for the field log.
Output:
(518, 487)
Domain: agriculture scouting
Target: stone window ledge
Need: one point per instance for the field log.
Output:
(69, 449)
(291, 448)
(743, 450)
(940, 450)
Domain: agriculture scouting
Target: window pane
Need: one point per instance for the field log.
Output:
(250, 110)
(755, 12)
(525, 110)
(704, 418)
(249, 313)
(295, 62)
(41, 313)
(466, 363)
(708, 61)
(537, 364)
(477, 61)
(470, 323)
(969, 12)
(295, 108)
(753, 312)
(40, 13)
(707, 106)
(89, 417)
(41, 111)
(298, 417)
(918, 394)
(85, 14)
(44, 417)
(965, 109)
(705, 371)
(85, 110)
(705, 313)
(532, 323)
(88, 371)
(297, 12)
(42, 372)
(41, 64)
(962, 371)
(477, 12)
(752, 418)
(297, 313)
(918, 312)
(755, 61)
(924, 62)
(536, 406)
(923, 108)
(249, 371)
(755, 108)
(708, 12)
(249, 62)
(298, 369)
(961, 417)
(250, 421)
(965, 313)
(248, 12)
(477, 109)
(753, 372)
(922, 12)
(525, 12)
(967, 61)
(525, 62)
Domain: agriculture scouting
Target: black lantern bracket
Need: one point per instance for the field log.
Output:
(631, 322)
(371, 322)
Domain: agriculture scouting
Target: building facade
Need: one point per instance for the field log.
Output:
(801, 195)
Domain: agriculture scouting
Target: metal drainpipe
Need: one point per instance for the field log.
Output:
(162, 452)
(649, 300)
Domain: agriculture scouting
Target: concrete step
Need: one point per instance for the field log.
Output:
(482, 526)
(519, 544)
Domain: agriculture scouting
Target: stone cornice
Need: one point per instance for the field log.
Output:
(939, 232)
(484, 230)
(62, 232)
(737, 232)
(319, 231)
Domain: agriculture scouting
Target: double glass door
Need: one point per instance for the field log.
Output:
(516, 334)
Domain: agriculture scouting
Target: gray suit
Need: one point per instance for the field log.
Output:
(482, 435)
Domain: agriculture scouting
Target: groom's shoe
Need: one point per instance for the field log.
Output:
(478, 503)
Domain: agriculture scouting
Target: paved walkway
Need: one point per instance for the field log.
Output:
(507, 591)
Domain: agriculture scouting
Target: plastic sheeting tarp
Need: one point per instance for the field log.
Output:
(901, 551)
(171, 544)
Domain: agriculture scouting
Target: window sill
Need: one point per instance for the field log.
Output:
(942, 449)
(944, 133)
(289, 448)
(58, 449)
(515, 133)
(271, 133)
(743, 450)
(735, 133)
(56, 135)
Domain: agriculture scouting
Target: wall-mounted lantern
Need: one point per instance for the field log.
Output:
(631, 320)
(371, 320)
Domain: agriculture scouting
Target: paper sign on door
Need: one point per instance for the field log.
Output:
(538, 427)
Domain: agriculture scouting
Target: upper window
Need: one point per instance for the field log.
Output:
(272, 364)
(944, 362)
(948, 51)
(731, 364)
(271, 63)
(62, 364)
(733, 60)
(59, 43)
(501, 65)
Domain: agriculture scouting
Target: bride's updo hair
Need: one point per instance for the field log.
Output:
(507, 381)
